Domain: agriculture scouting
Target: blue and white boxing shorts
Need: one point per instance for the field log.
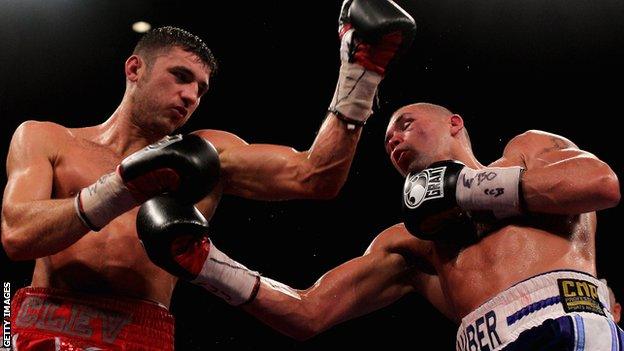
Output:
(559, 310)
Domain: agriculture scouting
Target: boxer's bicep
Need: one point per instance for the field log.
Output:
(384, 274)
(560, 178)
(260, 171)
(266, 172)
(363, 285)
(29, 179)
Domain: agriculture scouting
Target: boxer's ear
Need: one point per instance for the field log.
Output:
(457, 124)
(133, 67)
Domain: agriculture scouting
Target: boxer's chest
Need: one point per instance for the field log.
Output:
(78, 165)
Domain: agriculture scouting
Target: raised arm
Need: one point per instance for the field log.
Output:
(30, 218)
(372, 35)
(275, 172)
(560, 178)
(389, 269)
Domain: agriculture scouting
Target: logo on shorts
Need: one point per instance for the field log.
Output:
(579, 296)
(51, 315)
(423, 186)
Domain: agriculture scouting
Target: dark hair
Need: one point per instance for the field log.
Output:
(163, 38)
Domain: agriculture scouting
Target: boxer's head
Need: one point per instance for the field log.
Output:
(166, 76)
(420, 134)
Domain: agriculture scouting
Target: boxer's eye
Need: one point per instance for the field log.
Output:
(182, 76)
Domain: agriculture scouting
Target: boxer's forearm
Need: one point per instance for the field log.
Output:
(40, 228)
(573, 185)
(354, 288)
(285, 310)
(331, 155)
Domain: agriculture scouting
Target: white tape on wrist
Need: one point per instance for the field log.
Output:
(355, 93)
(228, 279)
(495, 189)
(103, 201)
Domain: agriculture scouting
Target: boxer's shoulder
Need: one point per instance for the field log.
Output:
(33, 138)
(531, 144)
(396, 239)
(36, 131)
(221, 139)
(51, 133)
(537, 141)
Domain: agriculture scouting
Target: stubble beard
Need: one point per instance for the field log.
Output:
(145, 116)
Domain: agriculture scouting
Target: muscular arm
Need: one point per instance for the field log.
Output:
(560, 178)
(274, 172)
(381, 276)
(30, 219)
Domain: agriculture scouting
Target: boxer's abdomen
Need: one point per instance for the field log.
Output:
(514, 253)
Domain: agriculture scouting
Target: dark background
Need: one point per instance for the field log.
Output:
(506, 66)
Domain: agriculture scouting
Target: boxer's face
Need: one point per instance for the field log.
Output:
(169, 90)
(415, 138)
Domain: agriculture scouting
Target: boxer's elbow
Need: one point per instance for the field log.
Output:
(14, 244)
(610, 190)
(321, 179)
(606, 188)
(309, 325)
(321, 184)
(324, 190)
(13, 234)
(303, 320)
(302, 333)
(295, 324)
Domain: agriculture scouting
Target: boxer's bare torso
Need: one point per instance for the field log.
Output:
(111, 261)
(61, 161)
(472, 274)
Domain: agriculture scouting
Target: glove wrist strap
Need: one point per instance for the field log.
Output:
(355, 93)
(102, 201)
(495, 189)
(228, 279)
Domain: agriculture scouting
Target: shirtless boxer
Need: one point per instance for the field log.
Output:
(506, 249)
(93, 285)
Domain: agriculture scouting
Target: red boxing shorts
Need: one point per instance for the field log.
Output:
(50, 319)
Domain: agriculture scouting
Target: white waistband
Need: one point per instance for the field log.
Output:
(528, 304)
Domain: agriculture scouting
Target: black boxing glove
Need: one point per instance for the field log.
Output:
(185, 166)
(379, 31)
(446, 191)
(175, 238)
(372, 33)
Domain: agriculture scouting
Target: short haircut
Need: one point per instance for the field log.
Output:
(165, 38)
